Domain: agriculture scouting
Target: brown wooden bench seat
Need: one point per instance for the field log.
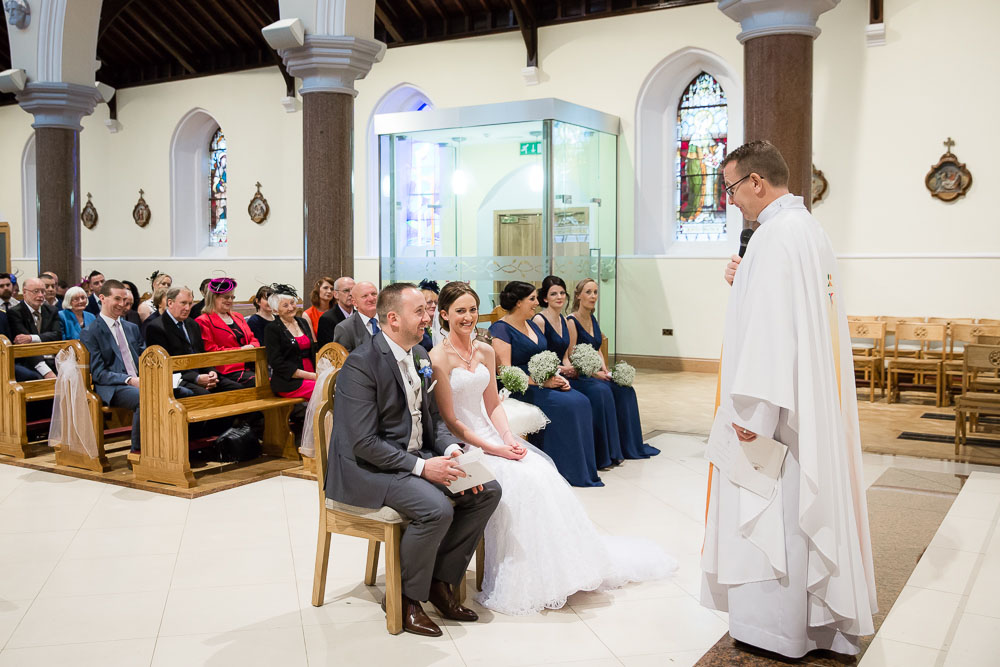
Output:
(164, 455)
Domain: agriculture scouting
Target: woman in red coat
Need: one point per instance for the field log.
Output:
(224, 329)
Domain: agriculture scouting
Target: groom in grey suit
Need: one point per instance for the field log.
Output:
(390, 447)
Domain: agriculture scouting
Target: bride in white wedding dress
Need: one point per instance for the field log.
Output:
(541, 546)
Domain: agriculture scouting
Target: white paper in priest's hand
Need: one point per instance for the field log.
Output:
(475, 470)
(759, 466)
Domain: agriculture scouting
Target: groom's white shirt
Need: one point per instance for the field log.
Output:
(408, 372)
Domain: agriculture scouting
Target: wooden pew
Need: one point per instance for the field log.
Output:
(14, 397)
(165, 419)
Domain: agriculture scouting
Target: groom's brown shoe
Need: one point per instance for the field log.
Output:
(416, 620)
(443, 599)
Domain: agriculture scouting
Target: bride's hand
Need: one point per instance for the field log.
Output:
(505, 451)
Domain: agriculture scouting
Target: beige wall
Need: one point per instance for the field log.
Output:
(880, 117)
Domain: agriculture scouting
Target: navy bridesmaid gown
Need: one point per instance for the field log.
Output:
(607, 444)
(569, 438)
(626, 403)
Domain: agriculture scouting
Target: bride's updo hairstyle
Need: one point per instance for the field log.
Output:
(449, 295)
(513, 292)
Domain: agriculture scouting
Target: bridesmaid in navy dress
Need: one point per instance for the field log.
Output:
(583, 328)
(569, 438)
(552, 298)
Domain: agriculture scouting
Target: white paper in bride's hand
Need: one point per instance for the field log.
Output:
(475, 470)
(759, 467)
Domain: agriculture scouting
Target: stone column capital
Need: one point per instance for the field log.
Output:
(332, 63)
(57, 104)
(759, 18)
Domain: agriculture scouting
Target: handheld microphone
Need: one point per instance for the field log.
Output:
(744, 240)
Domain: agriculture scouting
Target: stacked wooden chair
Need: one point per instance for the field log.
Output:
(961, 335)
(981, 361)
(868, 345)
(905, 360)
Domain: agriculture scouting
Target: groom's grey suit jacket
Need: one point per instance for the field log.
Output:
(371, 426)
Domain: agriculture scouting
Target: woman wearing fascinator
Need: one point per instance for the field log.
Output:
(541, 547)
(156, 281)
(291, 348)
(222, 328)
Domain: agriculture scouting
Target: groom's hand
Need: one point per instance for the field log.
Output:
(443, 469)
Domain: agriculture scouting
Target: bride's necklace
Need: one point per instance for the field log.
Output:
(472, 353)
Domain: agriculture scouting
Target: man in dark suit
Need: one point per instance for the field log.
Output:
(340, 310)
(178, 334)
(7, 300)
(96, 280)
(115, 345)
(34, 321)
(51, 281)
(363, 322)
(391, 448)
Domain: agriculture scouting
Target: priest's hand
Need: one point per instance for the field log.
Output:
(734, 262)
(743, 434)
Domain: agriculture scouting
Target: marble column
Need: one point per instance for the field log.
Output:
(58, 108)
(777, 38)
(328, 67)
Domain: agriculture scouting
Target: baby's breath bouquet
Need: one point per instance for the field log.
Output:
(623, 374)
(513, 379)
(586, 360)
(543, 366)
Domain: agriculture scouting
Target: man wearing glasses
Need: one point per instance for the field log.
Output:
(34, 321)
(790, 560)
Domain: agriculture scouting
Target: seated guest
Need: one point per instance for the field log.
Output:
(321, 297)
(157, 282)
(74, 316)
(430, 290)
(569, 438)
(197, 307)
(259, 320)
(291, 351)
(607, 443)
(50, 281)
(224, 329)
(61, 288)
(7, 300)
(583, 328)
(341, 308)
(176, 333)
(94, 282)
(132, 298)
(115, 346)
(34, 321)
(158, 303)
(363, 323)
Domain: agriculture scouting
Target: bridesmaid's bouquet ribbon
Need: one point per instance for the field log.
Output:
(543, 366)
(586, 360)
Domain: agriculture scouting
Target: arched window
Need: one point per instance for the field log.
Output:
(218, 231)
(702, 132)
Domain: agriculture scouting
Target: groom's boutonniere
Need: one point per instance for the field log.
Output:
(425, 371)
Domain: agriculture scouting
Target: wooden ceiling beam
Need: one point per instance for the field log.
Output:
(155, 35)
(113, 13)
(132, 36)
(420, 17)
(250, 22)
(214, 5)
(214, 43)
(208, 18)
(440, 11)
(529, 30)
(390, 27)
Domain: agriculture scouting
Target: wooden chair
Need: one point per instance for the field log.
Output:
(165, 419)
(919, 335)
(868, 341)
(907, 349)
(988, 340)
(986, 320)
(337, 354)
(962, 334)
(978, 359)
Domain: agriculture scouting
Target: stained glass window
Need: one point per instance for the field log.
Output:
(218, 232)
(423, 210)
(702, 131)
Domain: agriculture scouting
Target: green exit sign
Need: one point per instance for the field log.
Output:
(531, 148)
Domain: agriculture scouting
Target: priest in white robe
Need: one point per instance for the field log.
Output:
(794, 570)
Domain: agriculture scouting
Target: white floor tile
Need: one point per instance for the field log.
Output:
(21, 547)
(135, 541)
(236, 535)
(944, 570)
(975, 505)
(124, 653)
(963, 534)
(370, 644)
(20, 581)
(983, 483)
(344, 601)
(600, 662)
(976, 642)
(119, 574)
(888, 653)
(48, 518)
(677, 659)
(11, 613)
(984, 598)
(230, 609)
(132, 508)
(57, 490)
(264, 648)
(89, 619)
(654, 626)
(921, 616)
(233, 567)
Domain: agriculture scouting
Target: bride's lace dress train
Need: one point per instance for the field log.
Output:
(541, 546)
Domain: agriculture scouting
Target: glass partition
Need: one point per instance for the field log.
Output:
(488, 204)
